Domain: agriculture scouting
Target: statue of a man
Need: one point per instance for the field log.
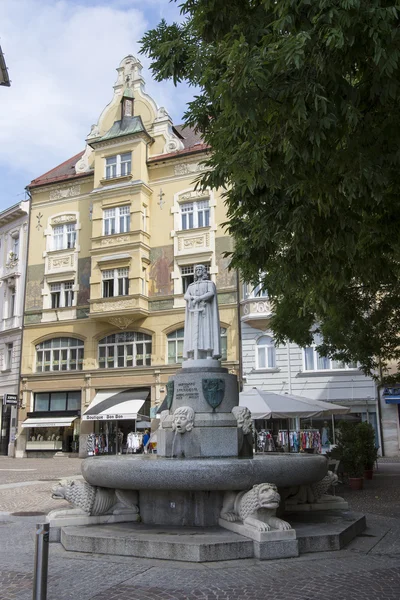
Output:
(202, 338)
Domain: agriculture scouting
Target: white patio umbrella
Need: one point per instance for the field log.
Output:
(270, 405)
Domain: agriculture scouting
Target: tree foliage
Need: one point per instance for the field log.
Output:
(299, 101)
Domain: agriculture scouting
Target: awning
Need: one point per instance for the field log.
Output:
(271, 405)
(48, 422)
(392, 395)
(111, 405)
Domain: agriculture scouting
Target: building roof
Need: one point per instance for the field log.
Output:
(4, 78)
(64, 171)
(126, 126)
(190, 139)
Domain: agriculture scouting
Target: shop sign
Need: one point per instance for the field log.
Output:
(11, 399)
(107, 417)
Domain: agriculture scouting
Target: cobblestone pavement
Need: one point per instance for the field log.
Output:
(368, 569)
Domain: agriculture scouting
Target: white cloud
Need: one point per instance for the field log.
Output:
(62, 58)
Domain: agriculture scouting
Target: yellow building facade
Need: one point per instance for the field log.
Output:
(114, 235)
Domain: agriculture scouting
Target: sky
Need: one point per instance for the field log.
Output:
(61, 58)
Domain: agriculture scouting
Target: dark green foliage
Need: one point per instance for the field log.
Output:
(349, 449)
(299, 100)
(369, 450)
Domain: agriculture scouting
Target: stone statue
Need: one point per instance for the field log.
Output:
(202, 328)
(245, 427)
(314, 493)
(94, 501)
(183, 419)
(255, 508)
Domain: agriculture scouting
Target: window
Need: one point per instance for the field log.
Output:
(175, 345)
(11, 304)
(116, 220)
(187, 272)
(59, 354)
(265, 353)
(314, 362)
(118, 165)
(57, 401)
(115, 282)
(125, 349)
(250, 291)
(64, 236)
(195, 214)
(62, 294)
(9, 352)
(15, 245)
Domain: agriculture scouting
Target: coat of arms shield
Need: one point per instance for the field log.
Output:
(170, 393)
(214, 391)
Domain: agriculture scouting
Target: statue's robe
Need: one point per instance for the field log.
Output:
(208, 337)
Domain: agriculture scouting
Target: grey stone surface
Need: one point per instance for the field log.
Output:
(194, 545)
(180, 508)
(188, 390)
(147, 471)
(276, 549)
(322, 532)
(200, 442)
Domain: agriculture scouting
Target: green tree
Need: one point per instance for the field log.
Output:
(299, 101)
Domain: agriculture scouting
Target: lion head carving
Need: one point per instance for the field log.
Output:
(263, 495)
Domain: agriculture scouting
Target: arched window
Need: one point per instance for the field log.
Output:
(265, 353)
(125, 349)
(59, 354)
(175, 345)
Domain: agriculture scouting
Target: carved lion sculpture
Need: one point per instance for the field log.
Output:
(256, 508)
(94, 500)
(314, 493)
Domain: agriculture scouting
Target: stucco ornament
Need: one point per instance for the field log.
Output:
(95, 501)
(202, 328)
(315, 493)
(183, 419)
(243, 418)
(255, 508)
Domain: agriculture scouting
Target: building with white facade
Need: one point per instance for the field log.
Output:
(13, 249)
(301, 371)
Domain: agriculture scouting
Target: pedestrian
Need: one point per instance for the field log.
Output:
(145, 440)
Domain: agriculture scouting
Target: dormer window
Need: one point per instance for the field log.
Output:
(127, 103)
(118, 165)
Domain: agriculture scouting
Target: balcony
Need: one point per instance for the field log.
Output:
(256, 312)
(120, 311)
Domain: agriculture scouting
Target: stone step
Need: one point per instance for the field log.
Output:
(145, 541)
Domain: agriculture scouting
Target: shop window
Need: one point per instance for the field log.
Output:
(187, 273)
(64, 236)
(313, 361)
(57, 401)
(116, 220)
(118, 165)
(195, 214)
(125, 349)
(59, 354)
(265, 353)
(115, 282)
(175, 345)
(62, 294)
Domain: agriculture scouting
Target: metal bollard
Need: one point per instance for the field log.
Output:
(41, 562)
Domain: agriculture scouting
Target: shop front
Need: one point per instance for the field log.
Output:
(54, 424)
(119, 418)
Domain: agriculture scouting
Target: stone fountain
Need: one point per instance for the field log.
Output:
(220, 501)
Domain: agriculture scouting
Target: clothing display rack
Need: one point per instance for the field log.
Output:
(265, 441)
(300, 441)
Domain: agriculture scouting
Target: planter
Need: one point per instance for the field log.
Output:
(356, 483)
(368, 473)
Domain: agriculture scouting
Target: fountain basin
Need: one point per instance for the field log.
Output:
(151, 472)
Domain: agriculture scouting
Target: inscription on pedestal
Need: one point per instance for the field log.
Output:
(187, 391)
